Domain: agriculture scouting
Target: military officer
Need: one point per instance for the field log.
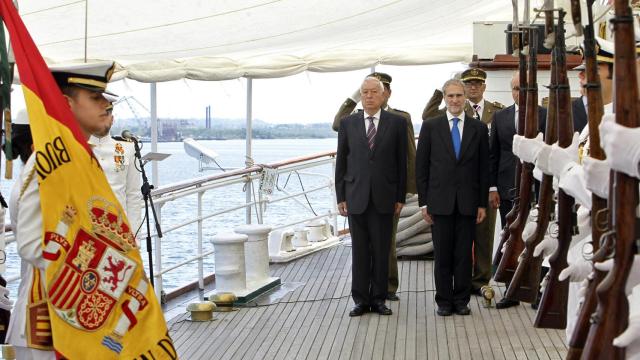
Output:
(345, 110)
(83, 87)
(117, 159)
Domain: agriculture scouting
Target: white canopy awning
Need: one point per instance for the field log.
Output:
(163, 40)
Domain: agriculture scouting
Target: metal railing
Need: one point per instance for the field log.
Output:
(200, 186)
(248, 176)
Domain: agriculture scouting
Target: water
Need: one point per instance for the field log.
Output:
(179, 244)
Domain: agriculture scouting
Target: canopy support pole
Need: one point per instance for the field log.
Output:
(154, 131)
(249, 136)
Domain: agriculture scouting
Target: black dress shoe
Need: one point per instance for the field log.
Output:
(392, 297)
(443, 311)
(359, 310)
(381, 309)
(463, 310)
(476, 292)
(506, 303)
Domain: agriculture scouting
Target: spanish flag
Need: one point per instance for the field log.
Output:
(100, 304)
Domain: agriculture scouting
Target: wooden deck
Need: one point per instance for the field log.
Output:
(312, 322)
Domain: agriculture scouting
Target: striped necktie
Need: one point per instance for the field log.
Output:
(371, 133)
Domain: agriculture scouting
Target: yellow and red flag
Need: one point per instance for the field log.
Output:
(99, 300)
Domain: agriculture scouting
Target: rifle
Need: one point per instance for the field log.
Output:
(515, 244)
(623, 201)
(526, 280)
(599, 205)
(522, 97)
(552, 311)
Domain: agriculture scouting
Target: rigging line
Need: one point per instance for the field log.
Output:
(51, 8)
(342, 19)
(169, 24)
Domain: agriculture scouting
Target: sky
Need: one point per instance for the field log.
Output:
(304, 98)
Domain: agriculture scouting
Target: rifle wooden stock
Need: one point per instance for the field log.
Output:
(623, 201)
(522, 108)
(515, 244)
(598, 204)
(552, 311)
(526, 280)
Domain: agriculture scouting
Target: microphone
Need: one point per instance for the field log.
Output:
(129, 136)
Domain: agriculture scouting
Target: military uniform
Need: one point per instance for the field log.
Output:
(26, 219)
(117, 159)
(485, 231)
(30, 329)
(348, 107)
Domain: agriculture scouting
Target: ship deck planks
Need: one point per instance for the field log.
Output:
(312, 322)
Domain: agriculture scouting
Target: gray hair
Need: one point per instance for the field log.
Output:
(451, 82)
(371, 78)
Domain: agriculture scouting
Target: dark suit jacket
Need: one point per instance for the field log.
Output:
(579, 114)
(347, 108)
(503, 161)
(380, 174)
(444, 181)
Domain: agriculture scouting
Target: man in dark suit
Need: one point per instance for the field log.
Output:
(452, 168)
(347, 107)
(370, 177)
(503, 161)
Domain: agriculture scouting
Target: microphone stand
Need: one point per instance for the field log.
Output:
(148, 200)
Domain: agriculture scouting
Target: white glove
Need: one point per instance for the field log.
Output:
(529, 148)
(547, 246)
(356, 96)
(634, 274)
(597, 176)
(562, 159)
(573, 183)
(577, 271)
(542, 161)
(5, 302)
(632, 333)
(529, 230)
(621, 144)
(517, 141)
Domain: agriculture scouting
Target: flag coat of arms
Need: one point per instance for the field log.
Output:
(99, 302)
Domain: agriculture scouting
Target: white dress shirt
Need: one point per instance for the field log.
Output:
(376, 120)
(480, 107)
(460, 126)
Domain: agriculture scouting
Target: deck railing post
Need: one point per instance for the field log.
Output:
(334, 198)
(200, 259)
(249, 156)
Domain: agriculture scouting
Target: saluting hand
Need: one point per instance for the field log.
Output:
(482, 213)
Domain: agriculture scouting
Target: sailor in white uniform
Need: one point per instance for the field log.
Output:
(118, 162)
(79, 85)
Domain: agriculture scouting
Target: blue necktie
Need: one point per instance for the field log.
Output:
(455, 137)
